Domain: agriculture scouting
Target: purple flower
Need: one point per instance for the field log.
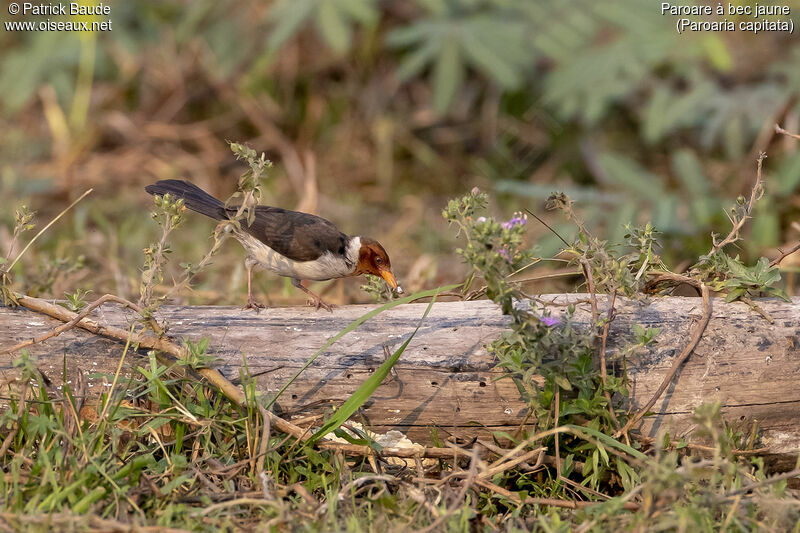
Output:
(504, 252)
(550, 321)
(518, 219)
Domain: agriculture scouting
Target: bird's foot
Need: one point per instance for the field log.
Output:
(316, 302)
(252, 303)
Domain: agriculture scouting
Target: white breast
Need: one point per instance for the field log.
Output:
(327, 266)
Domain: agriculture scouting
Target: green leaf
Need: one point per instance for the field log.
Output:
(603, 454)
(778, 293)
(688, 169)
(40, 424)
(568, 464)
(766, 225)
(333, 19)
(416, 61)
(342, 434)
(487, 60)
(737, 268)
(562, 381)
(788, 176)
(627, 474)
(717, 52)
(288, 16)
(735, 295)
(332, 26)
(366, 389)
(447, 75)
(355, 324)
(363, 11)
(622, 171)
(607, 440)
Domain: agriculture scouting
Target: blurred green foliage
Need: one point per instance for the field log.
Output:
(422, 98)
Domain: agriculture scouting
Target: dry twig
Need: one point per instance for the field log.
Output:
(695, 340)
(784, 254)
(782, 131)
(603, 370)
(753, 486)
(737, 223)
(71, 323)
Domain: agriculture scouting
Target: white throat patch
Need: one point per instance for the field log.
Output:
(353, 251)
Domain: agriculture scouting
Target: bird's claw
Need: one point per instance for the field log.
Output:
(317, 302)
(252, 303)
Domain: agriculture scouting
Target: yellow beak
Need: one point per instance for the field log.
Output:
(389, 277)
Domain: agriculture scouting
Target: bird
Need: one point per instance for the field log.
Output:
(296, 245)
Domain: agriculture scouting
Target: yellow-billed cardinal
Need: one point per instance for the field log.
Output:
(289, 243)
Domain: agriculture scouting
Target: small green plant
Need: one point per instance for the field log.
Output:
(715, 491)
(752, 281)
(727, 274)
(249, 189)
(644, 336)
(197, 356)
(23, 221)
(560, 367)
(608, 267)
(76, 300)
(493, 249)
(168, 215)
(549, 357)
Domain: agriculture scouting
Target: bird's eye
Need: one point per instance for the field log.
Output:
(378, 260)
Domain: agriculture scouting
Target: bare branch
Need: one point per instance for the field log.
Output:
(695, 340)
(782, 131)
(738, 219)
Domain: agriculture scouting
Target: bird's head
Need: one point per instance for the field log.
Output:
(373, 259)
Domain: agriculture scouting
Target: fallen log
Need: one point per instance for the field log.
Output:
(446, 379)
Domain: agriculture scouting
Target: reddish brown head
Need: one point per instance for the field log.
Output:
(373, 259)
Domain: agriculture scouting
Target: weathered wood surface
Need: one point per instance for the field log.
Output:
(446, 377)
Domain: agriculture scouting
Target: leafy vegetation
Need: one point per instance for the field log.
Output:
(398, 103)
(375, 112)
(167, 449)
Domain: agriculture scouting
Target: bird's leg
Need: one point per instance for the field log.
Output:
(313, 299)
(251, 302)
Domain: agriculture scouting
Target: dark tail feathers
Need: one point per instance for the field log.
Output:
(195, 198)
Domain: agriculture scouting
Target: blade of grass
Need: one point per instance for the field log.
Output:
(46, 228)
(366, 389)
(354, 324)
(608, 441)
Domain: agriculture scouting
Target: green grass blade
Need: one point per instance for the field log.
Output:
(366, 389)
(357, 322)
(608, 441)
